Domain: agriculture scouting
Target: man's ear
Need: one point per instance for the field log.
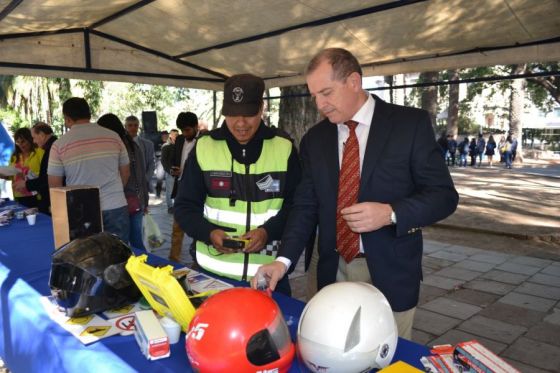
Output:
(355, 81)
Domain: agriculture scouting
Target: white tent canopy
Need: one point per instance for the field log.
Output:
(197, 44)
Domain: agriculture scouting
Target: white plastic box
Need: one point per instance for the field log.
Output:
(150, 336)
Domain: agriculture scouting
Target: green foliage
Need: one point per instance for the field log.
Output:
(93, 92)
(467, 125)
(64, 89)
(12, 118)
(6, 88)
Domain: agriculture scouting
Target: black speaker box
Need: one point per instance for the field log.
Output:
(76, 213)
(149, 121)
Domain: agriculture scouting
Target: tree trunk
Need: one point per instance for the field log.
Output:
(516, 109)
(429, 95)
(389, 81)
(453, 110)
(296, 114)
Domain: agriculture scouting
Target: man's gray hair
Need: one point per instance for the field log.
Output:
(342, 61)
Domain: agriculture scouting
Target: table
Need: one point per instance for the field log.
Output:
(32, 342)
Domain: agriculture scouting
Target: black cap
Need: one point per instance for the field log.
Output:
(243, 95)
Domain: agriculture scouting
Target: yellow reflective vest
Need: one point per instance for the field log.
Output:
(240, 198)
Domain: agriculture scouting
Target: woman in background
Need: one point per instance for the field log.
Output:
(490, 149)
(27, 160)
(136, 189)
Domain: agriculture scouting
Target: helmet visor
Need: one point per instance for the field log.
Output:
(73, 279)
(270, 344)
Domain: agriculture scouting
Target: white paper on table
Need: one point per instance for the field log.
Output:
(87, 329)
(200, 282)
(118, 312)
(8, 171)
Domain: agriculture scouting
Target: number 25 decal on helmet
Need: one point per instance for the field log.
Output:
(239, 330)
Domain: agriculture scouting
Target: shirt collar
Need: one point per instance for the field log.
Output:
(365, 114)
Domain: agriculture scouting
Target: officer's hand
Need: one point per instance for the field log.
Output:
(257, 239)
(217, 239)
(367, 216)
(271, 272)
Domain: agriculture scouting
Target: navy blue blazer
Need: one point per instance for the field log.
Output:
(402, 166)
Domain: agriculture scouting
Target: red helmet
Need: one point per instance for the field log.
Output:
(239, 330)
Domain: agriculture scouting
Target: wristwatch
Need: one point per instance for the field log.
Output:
(393, 218)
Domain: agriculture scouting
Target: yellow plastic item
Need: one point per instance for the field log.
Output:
(162, 290)
(400, 367)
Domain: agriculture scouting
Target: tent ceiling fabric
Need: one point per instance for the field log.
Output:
(197, 44)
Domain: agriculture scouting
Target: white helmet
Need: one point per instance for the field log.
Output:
(347, 327)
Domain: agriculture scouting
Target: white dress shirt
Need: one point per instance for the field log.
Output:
(363, 117)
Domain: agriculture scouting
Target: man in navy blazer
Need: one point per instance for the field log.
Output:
(404, 186)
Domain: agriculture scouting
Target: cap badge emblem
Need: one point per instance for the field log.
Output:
(237, 94)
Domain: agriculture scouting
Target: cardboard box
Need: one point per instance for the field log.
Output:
(480, 359)
(76, 213)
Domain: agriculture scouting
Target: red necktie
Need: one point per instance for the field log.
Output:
(348, 242)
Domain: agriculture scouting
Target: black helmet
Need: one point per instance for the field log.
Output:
(88, 275)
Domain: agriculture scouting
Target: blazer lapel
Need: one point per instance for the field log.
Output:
(378, 135)
(331, 158)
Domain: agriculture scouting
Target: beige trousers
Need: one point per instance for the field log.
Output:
(357, 270)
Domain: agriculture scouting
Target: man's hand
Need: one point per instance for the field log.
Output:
(272, 273)
(217, 239)
(367, 216)
(257, 239)
(175, 171)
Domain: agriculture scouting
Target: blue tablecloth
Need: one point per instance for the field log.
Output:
(32, 342)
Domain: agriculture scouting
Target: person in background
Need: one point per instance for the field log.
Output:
(44, 138)
(452, 149)
(490, 149)
(160, 172)
(442, 142)
(239, 181)
(187, 122)
(473, 151)
(89, 154)
(463, 151)
(501, 145)
(507, 150)
(373, 175)
(132, 125)
(136, 188)
(480, 146)
(513, 148)
(167, 151)
(27, 160)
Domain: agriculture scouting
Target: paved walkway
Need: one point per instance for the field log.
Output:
(507, 301)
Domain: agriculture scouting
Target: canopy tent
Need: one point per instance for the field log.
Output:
(199, 43)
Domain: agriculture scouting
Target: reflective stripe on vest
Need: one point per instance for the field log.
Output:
(229, 265)
(232, 218)
(258, 196)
